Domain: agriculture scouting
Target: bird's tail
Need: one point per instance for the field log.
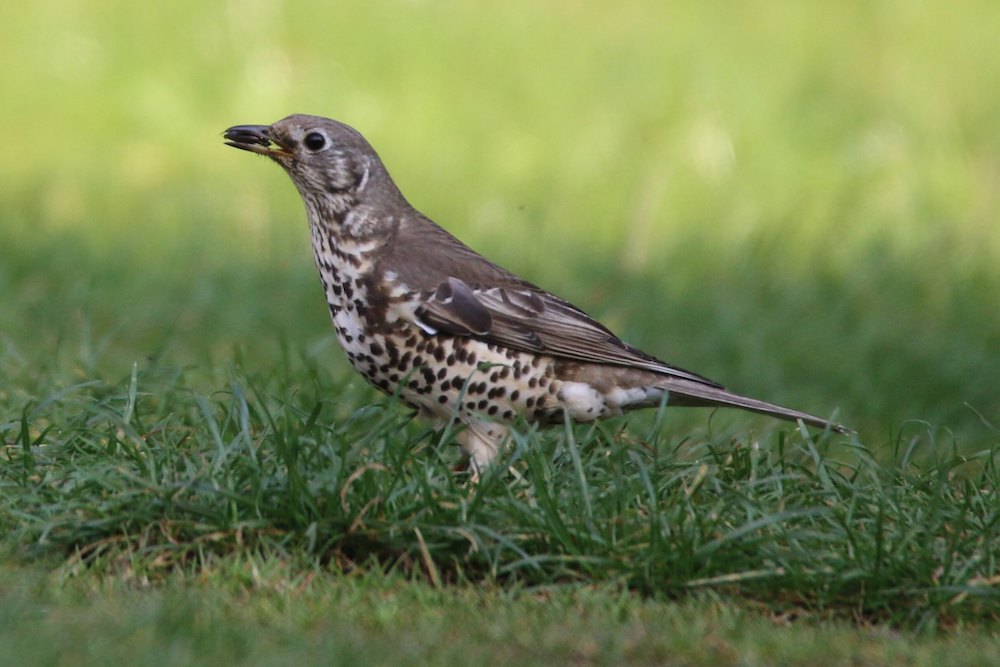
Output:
(684, 392)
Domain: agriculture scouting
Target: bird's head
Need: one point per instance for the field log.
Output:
(326, 159)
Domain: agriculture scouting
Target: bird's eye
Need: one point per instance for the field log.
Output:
(314, 141)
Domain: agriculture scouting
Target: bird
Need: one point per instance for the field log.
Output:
(455, 336)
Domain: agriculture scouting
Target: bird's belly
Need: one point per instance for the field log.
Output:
(442, 375)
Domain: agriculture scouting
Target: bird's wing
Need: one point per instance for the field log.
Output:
(532, 320)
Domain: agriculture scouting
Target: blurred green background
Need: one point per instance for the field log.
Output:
(797, 199)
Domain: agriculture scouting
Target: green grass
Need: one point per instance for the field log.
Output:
(261, 612)
(150, 475)
(796, 200)
(257, 611)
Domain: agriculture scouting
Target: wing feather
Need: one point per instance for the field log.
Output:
(532, 320)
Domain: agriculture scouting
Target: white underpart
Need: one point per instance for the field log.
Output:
(620, 398)
(345, 321)
(582, 401)
(350, 333)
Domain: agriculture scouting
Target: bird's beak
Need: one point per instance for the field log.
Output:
(256, 139)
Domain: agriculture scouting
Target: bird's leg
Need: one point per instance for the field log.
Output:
(482, 440)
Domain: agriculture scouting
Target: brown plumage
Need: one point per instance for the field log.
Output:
(422, 315)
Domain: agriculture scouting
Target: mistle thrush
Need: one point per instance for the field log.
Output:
(421, 315)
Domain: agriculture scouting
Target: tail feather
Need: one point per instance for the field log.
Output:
(688, 393)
